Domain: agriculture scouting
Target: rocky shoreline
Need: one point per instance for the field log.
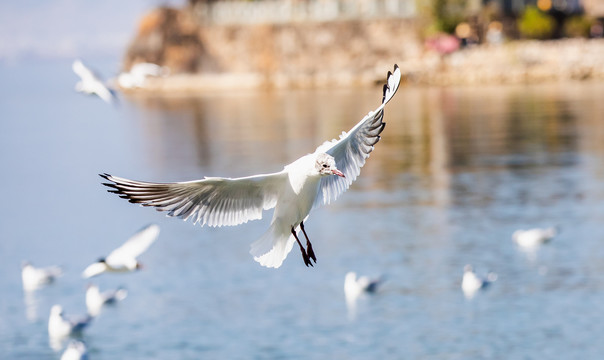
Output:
(512, 63)
(509, 63)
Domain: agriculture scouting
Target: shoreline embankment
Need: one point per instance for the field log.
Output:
(215, 57)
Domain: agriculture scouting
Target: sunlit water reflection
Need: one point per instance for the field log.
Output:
(457, 171)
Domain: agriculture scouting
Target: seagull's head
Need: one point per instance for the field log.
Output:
(326, 165)
(56, 310)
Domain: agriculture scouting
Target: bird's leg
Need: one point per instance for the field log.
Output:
(309, 250)
(304, 254)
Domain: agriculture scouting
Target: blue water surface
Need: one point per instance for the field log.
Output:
(457, 171)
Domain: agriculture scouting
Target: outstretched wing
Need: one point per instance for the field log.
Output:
(213, 201)
(82, 71)
(137, 244)
(104, 92)
(92, 82)
(353, 148)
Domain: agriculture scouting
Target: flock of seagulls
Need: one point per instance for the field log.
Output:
(62, 327)
(311, 181)
(355, 287)
(527, 240)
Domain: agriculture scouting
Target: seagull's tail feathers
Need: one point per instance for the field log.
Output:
(272, 248)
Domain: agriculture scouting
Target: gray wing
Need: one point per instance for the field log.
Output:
(213, 201)
(353, 148)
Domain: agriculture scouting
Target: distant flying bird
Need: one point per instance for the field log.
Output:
(95, 299)
(91, 84)
(355, 286)
(123, 259)
(532, 238)
(138, 74)
(76, 350)
(33, 278)
(471, 282)
(60, 326)
(313, 180)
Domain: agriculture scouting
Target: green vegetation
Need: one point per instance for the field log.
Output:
(447, 14)
(577, 26)
(535, 24)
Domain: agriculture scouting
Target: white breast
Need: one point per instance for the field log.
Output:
(299, 193)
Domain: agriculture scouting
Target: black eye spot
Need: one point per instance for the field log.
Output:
(324, 165)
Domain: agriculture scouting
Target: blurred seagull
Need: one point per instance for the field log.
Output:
(33, 278)
(76, 350)
(471, 282)
(354, 287)
(135, 78)
(123, 259)
(60, 327)
(91, 84)
(313, 180)
(95, 299)
(532, 238)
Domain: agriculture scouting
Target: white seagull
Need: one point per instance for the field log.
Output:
(33, 278)
(60, 327)
(123, 259)
(471, 282)
(91, 83)
(355, 286)
(76, 350)
(138, 74)
(532, 238)
(95, 299)
(306, 183)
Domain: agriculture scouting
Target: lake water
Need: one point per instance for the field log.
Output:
(457, 171)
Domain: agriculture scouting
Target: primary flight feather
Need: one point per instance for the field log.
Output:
(302, 185)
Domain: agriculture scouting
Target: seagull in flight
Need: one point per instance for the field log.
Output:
(91, 84)
(123, 259)
(311, 181)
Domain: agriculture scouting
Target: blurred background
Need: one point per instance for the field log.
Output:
(496, 128)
